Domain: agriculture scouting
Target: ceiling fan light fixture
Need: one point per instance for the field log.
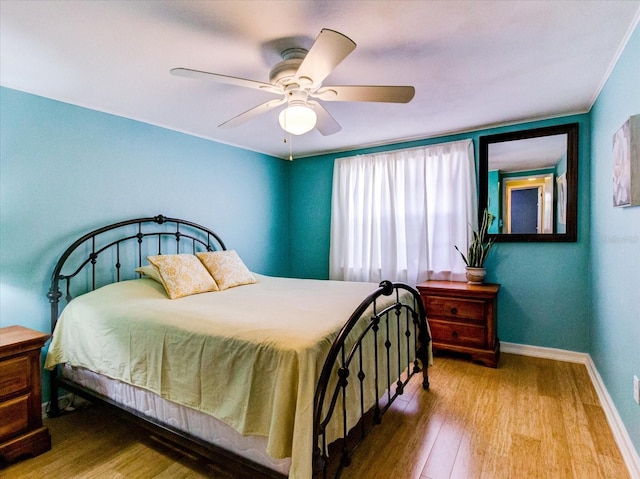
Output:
(298, 119)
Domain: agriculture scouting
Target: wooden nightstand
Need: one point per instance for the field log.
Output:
(463, 318)
(21, 430)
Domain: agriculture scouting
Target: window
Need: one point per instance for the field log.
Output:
(397, 215)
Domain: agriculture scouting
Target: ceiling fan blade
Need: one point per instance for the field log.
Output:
(326, 53)
(373, 93)
(229, 80)
(326, 124)
(252, 113)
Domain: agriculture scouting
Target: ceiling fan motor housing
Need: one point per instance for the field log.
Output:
(282, 73)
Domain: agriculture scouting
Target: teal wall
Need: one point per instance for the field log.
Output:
(544, 299)
(65, 170)
(615, 246)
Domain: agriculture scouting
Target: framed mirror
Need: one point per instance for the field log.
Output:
(529, 182)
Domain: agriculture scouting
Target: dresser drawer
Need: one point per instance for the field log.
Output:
(458, 333)
(15, 416)
(455, 308)
(14, 376)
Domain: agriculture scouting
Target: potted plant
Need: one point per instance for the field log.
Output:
(478, 250)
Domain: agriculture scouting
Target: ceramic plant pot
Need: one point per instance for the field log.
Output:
(476, 275)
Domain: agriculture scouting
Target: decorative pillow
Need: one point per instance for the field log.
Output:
(227, 268)
(149, 271)
(182, 275)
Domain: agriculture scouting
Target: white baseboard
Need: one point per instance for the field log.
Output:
(629, 454)
(545, 353)
(627, 450)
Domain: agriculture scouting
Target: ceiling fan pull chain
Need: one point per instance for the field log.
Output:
(285, 139)
(290, 149)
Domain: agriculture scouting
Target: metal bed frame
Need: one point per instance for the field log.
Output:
(97, 258)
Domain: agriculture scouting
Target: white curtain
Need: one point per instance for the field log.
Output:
(397, 215)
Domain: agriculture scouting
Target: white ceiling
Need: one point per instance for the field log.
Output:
(473, 63)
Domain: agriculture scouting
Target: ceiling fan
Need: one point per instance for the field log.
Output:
(298, 80)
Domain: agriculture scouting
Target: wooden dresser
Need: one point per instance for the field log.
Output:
(463, 318)
(21, 429)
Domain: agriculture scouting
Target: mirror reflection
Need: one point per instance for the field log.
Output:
(522, 181)
(528, 182)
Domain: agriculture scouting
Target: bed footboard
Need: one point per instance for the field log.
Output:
(399, 337)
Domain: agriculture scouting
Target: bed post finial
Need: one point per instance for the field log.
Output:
(387, 287)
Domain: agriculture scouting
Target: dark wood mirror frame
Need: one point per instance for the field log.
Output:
(571, 130)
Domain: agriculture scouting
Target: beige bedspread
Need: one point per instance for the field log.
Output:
(250, 356)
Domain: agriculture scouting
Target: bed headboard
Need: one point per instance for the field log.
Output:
(112, 253)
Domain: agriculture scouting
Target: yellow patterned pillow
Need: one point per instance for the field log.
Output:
(227, 268)
(182, 275)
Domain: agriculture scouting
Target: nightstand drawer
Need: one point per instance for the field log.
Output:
(457, 333)
(460, 309)
(14, 376)
(15, 416)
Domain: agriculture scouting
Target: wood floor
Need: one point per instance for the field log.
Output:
(530, 418)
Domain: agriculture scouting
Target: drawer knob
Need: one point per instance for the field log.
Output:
(454, 310)
(454, 334)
